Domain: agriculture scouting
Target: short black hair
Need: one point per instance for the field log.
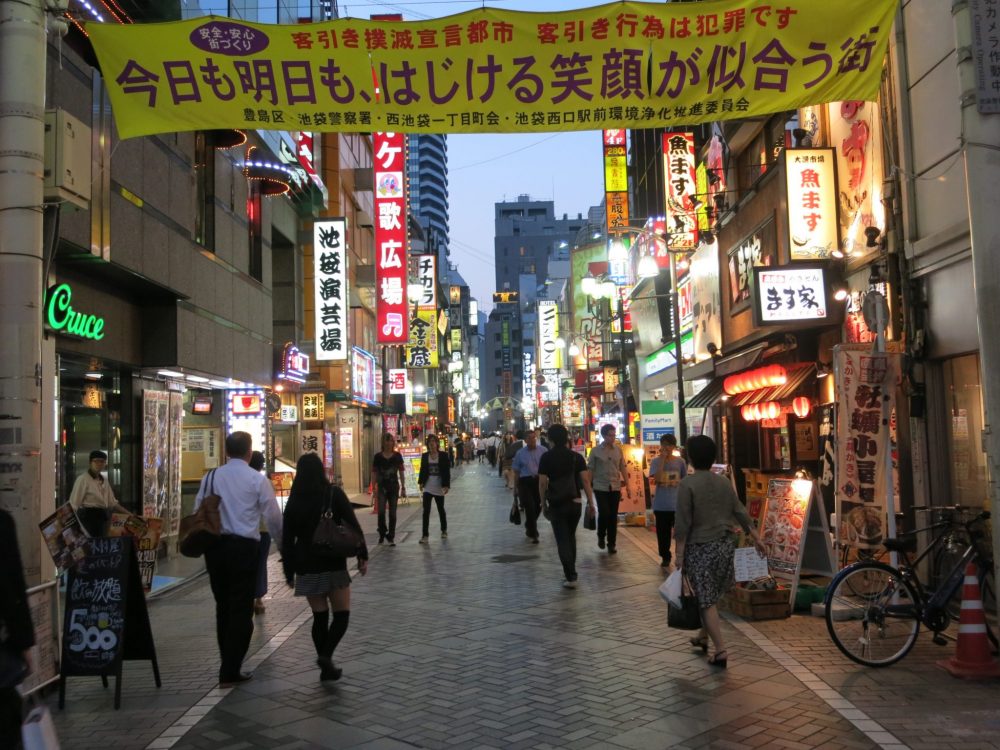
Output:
(605, 429)
(519, 434)
(257, 461)
(559, 435)
(98, 454)
(668, 438)
(701, 452)
(238, 444)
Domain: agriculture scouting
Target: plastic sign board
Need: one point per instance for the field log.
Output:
(682, 185)
(62, 318)
(789, 294)
(615, 179)
(333, 307)
(397, 381)
(390, 238)
(548, 332)
(427, 279)
(811, 182)
(313, 406)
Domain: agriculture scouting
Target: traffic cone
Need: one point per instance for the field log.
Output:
(972, 659)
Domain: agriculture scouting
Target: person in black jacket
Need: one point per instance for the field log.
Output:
(15, 623)
(324, 582)
(434, 480)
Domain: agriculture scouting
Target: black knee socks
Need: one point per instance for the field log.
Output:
(320, 620)
(337, 630)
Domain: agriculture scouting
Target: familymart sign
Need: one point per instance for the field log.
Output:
(62, 318)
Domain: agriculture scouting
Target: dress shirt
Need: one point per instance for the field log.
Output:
(607, 464)
(92, 493)
(526, 461)
(247, 495)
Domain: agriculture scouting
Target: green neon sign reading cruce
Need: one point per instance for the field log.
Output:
(62, 317)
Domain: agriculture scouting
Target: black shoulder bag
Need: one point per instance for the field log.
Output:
(333, 538)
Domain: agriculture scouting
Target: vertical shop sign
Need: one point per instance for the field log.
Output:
(682, 182)
(311, 441)
(855, 131)
(866, 384)
(705, 300)
(756, 249)
(811, 189)
(397, 381)
(505, 349)
(390, 238)
(427, 278)
(313, 407)
(422, 351)
(172, 520)
(155, 453)
(363, 377)
(615, 179)
(330, 269)
(548, 331)
(528, 376)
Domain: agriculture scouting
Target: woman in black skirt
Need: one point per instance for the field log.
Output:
(324, 582)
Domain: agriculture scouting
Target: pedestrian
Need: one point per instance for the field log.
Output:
(434, 481)
(610, 476)
(491, 449)
(707, 508)
(665, 473)
(93, 499)
(17, 634)
(510, 450)
(257, 464)
(389, 483)
(524, 469)
(322, 580)
(562, 474)
(232, 561)
(480, 449)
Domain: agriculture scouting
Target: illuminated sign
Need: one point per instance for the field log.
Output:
(61, 316)
(330, 289)
(363, 376)
(294, 364)
(615, 179)
(289, 413)
(757, 249)
(245, 413)
(789, 294)
(243, 403)
(502, 298)
(313, 406)
(473, 312)
(548, 331)
(427, 279)
(397, 381)
(422, 350)
(810, 176)
(390, 238)
(682, 183)
(455, 295)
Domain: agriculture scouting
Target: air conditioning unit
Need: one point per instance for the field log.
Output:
(67, 159)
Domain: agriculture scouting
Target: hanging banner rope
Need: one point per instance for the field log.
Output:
(622, 65)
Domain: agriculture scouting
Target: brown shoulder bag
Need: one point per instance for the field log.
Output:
(201, 529)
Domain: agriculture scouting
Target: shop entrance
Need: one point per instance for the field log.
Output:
(84, 430)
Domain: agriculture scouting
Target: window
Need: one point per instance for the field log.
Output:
(256, 239)
(204, 171)
(967, 468)
(497, 373)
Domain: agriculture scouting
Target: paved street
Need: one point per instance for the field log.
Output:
(471, 642)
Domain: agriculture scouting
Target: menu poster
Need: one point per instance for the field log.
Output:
(411, 467)
(787, 502)
(634, 500)
(748, 565)
(44, 608)
(65, 537)
(146, 532)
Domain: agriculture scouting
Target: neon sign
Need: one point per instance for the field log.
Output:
(61, 316)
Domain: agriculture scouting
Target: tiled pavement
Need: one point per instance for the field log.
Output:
(471, 642)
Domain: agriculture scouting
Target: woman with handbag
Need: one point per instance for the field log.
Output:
(434, 481)
(707, 510)
(320, 533)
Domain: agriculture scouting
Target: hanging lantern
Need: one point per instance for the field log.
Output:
(801, 406)
(772, 409)
(747, 413)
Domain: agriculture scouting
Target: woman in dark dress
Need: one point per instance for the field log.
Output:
(324, 581)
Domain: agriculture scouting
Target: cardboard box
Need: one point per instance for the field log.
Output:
(758, 605)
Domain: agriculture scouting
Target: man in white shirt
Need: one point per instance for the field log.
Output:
(247, 496)
(92, 497)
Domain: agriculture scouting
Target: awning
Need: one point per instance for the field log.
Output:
(742, 361)
(707, 396)
(797, 375)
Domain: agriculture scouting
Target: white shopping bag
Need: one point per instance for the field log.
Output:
(671, 588)
(38, 732)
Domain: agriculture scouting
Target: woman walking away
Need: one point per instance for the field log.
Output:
(707, 509)
(388, 480)
(434, 480)
(666, 472)
(323, 581)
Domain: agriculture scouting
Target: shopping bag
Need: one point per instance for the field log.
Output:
(38, 732)
(515, 514)
(671, 589)
(590, 519)
(687, 616)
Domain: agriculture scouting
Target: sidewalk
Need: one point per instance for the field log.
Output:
(471, 642)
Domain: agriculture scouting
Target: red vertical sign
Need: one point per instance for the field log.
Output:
(390, 238)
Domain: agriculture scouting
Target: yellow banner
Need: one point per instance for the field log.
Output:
(422, 351)
(621, 65)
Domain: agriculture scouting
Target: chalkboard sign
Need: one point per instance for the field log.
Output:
(106, 620)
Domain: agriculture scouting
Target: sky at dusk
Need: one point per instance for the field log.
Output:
(487, 169)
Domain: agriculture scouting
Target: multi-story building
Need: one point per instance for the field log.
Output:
(427, 182)
(526, 235)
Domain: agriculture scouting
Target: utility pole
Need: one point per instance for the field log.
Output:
(981, 155)
(22, 139)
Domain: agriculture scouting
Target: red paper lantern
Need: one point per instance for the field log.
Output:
(747, 413)
(801, 406)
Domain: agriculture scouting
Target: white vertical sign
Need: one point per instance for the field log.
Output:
(427, 278)
(332, 307)
(548, 331)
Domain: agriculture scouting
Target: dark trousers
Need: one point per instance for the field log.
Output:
(94, 521)
(527, 493)
(265, 550)
(607, 515)
(388, 496)
(232, 564)
(564, 519)
(11, 715)
(439, 499)
(664, 526)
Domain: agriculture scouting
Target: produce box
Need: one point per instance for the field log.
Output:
(758, 605)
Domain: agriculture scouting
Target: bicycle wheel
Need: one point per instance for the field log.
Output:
(878, 626)
(946, 558)
(864, 555)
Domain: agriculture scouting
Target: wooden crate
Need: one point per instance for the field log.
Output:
(758, 605)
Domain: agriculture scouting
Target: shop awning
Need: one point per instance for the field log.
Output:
(707, 396)
(742, 361)
(797, 375)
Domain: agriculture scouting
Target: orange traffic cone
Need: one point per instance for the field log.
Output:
(972, 659)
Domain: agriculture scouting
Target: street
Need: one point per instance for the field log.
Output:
(471, 642)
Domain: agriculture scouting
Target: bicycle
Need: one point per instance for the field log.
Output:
(874, 610)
